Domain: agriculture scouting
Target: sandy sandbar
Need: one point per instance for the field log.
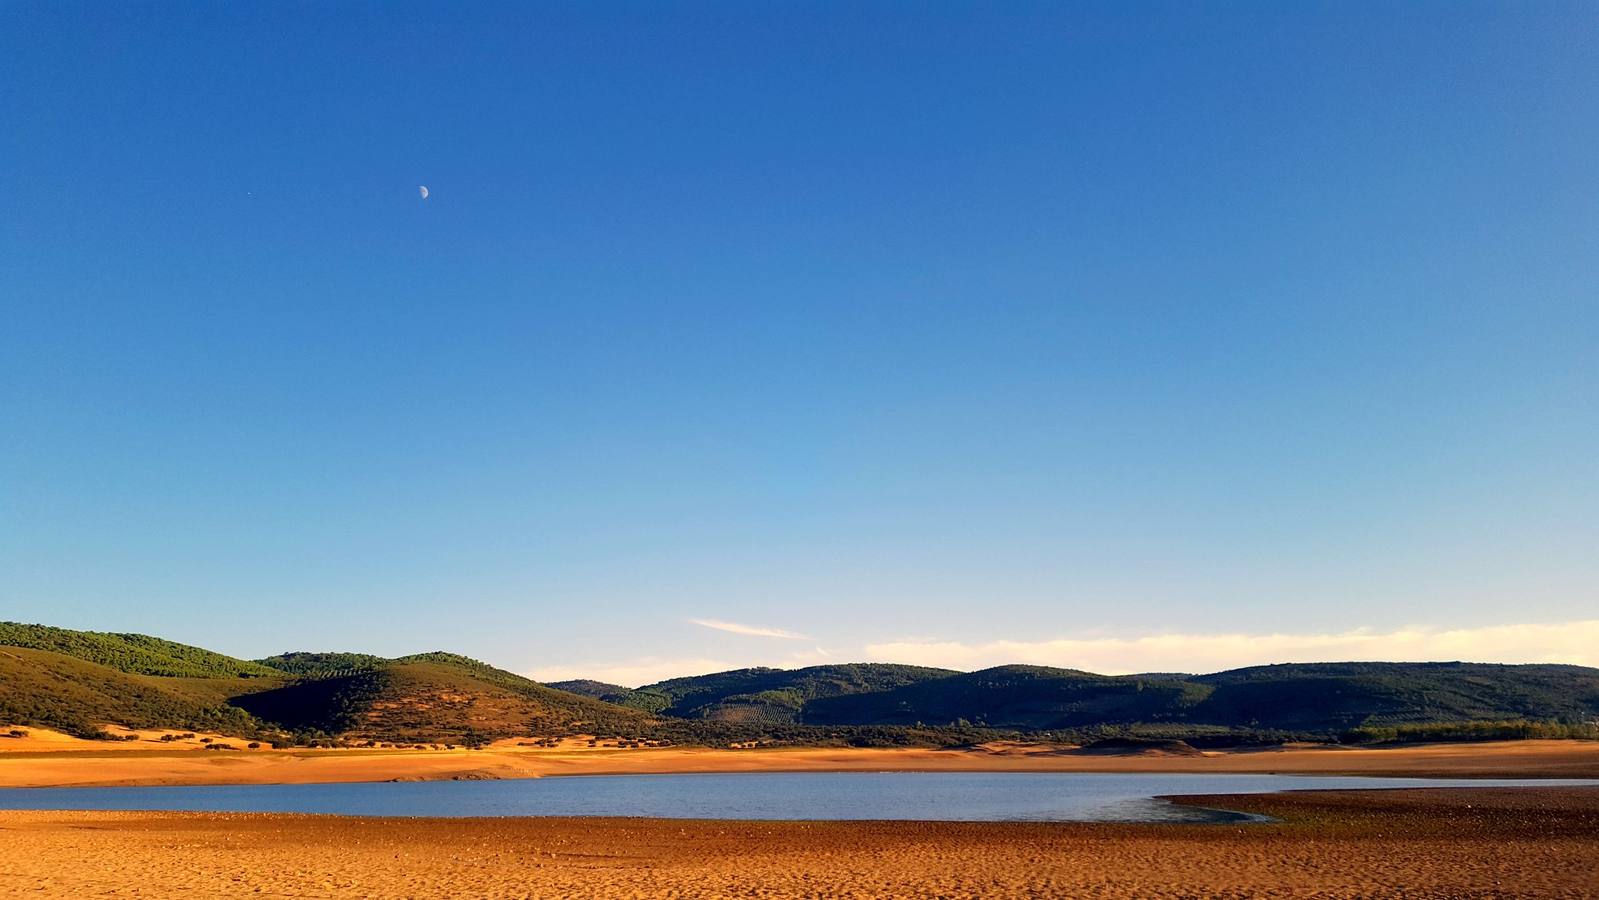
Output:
(88, 763)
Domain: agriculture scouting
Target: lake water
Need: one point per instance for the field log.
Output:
(947, 796)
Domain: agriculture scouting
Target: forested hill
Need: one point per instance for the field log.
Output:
(773, 695)
(81, 681)
(137, 654)
(1321, 698)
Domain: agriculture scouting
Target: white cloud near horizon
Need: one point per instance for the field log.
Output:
(747, 630)
(1559, 642)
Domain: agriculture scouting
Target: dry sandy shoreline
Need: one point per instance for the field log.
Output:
(1528, 842)
(1531, 842)
(75, 766)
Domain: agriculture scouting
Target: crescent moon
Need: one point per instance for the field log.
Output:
(423, 190)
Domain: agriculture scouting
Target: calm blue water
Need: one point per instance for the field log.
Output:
(948, 796)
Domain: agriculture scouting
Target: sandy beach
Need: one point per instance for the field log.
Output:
(1425, 843)
(48, 760)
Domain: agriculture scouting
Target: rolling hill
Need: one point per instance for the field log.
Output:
(319, 664)
(1028, 697)
(1323, 698)
(1346, 695)
(137, 654)
(762, 695)
(41, 687)
(436, 698)
(598, 690)
(79, 681)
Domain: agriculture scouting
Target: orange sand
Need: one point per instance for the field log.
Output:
(43, 740)
(1539, 842)
(135, 763)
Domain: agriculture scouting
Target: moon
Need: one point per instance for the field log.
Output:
(423, 190)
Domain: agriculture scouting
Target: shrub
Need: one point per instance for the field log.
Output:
(1504, 730)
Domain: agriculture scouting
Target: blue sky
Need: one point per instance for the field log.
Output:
(1128, 336)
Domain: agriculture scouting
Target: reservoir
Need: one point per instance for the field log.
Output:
(937, 796)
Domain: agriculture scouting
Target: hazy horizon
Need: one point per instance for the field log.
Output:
(1113, 338)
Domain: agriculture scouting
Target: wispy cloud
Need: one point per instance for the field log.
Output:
(750, 630)
(1562, 642)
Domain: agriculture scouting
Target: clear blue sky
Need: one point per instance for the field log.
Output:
(882, 324)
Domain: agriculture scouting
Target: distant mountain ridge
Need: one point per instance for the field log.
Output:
(771, 695)
(79, 681)
(1319, 697)
(587, 687)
